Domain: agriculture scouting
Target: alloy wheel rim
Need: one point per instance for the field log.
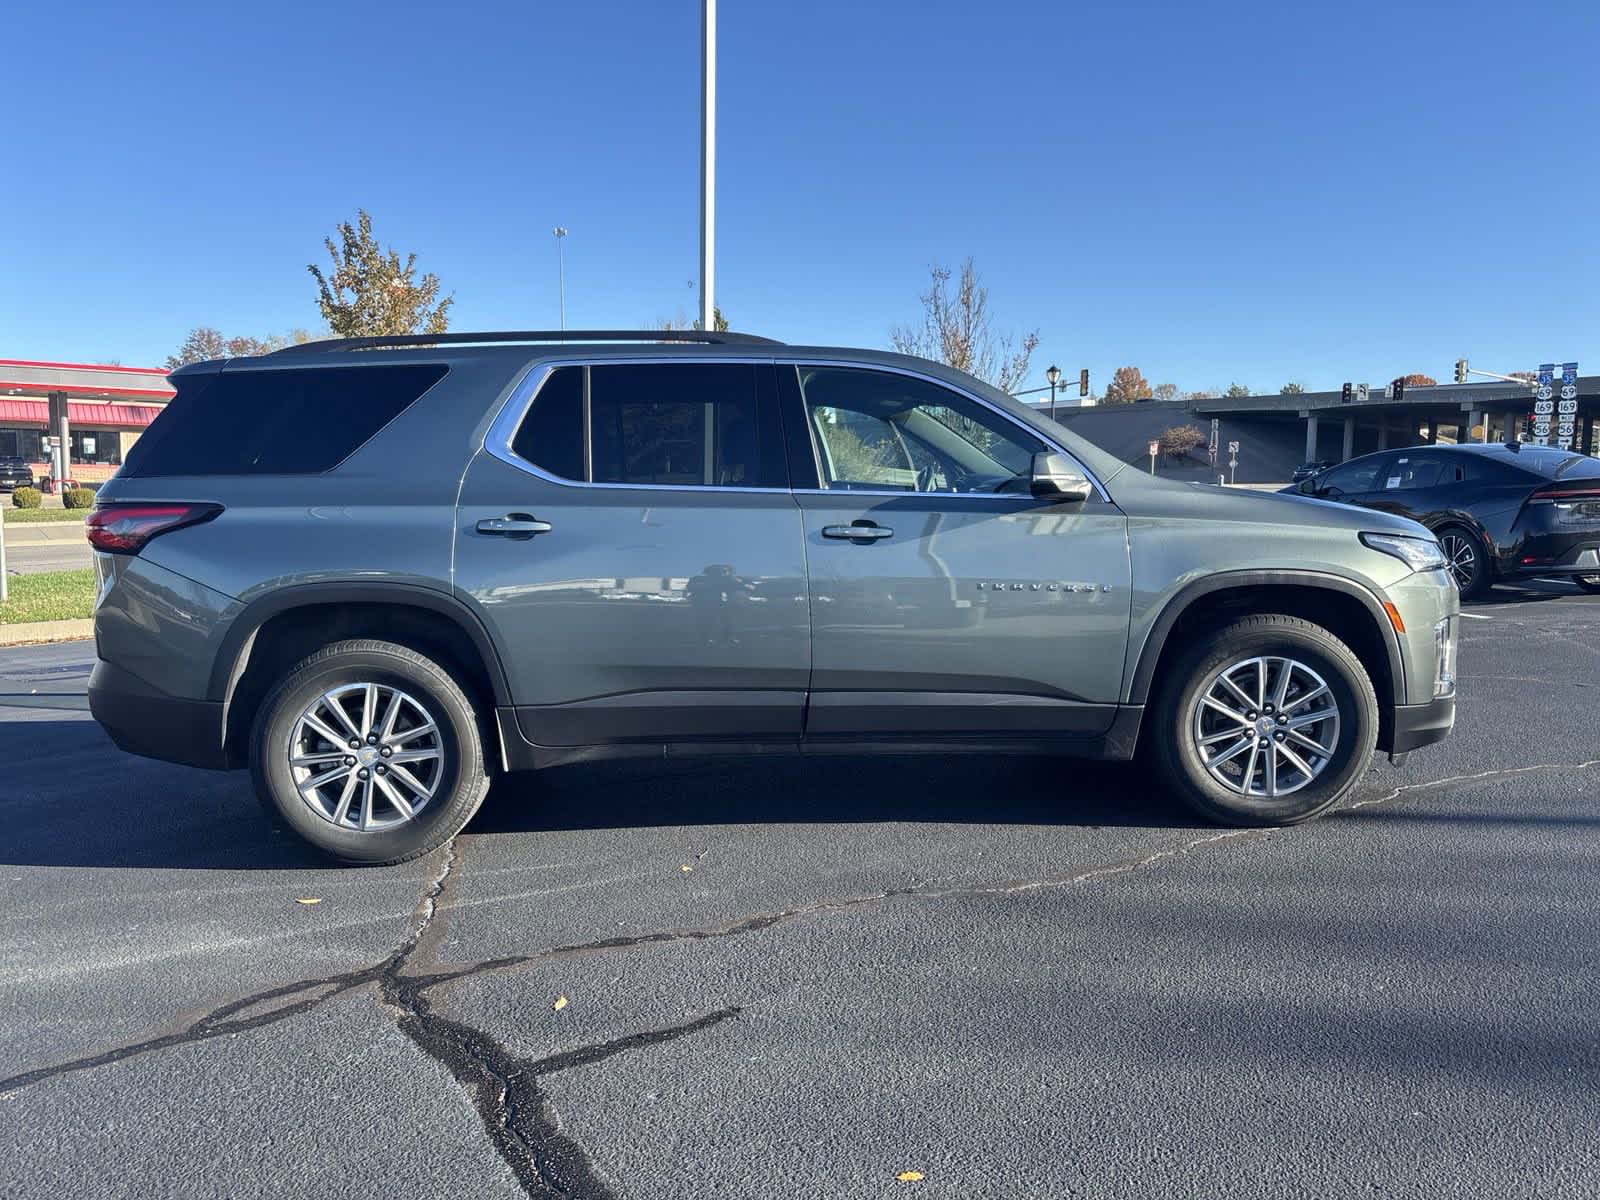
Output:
(366, 757)
(1266, 726)
(1461, 557)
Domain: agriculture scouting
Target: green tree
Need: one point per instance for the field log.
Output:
(1292, 389)
(1127, 385)
(956, 330)
(370, 292)
(1235, 390)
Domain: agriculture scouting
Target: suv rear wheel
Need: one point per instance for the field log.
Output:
(370, 751)
(1270, 722)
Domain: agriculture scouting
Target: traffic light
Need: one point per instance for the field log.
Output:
(1345, 393)
(1400, 388)
(1083, 382)
(1461, 370)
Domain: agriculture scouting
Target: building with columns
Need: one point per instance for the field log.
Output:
(96, 410)
(1466, 412)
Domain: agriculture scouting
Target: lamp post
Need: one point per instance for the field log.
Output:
(560, 232)
(708, 162)
(1054, 376)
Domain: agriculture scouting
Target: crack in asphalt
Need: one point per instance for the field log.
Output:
(1475, 777)
(505, 1088)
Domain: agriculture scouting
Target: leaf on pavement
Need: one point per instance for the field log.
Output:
(561, 1002)
(309, 900)
(686, 868)
(909, 1176)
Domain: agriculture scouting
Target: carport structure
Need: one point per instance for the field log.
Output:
(1471, 412)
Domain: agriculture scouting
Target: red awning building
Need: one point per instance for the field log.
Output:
(107, 407)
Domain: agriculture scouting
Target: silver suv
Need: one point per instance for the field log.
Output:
(380, 571)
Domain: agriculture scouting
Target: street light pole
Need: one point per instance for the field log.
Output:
(1054, 376)
(560, 233)
(708, 160)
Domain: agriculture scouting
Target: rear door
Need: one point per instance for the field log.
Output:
(1412, 483)
(630, 541)
(945, 598)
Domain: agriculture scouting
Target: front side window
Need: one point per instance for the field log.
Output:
(1358, 476)
(654, 425)
(876, 431)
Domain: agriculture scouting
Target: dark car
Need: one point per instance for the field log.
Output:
(14, 473)
(1500, 512)
(1307, 470)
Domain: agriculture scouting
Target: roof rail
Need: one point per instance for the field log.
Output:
(532, 335)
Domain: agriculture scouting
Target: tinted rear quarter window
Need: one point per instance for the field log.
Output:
(296, 421)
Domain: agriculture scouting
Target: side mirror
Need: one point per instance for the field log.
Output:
(1054, 479)
(1308, 486)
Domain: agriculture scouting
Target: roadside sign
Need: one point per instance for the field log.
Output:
(1567, 409)
(1362, 393)
(1543, 404)
(1154, 446)
(1233, 449)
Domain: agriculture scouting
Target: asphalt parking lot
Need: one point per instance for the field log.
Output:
(785, 977)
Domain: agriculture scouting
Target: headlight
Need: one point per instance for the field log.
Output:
(1420, 554)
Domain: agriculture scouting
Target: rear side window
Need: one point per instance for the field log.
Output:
(1409, 473)
(656, 425)
(287, 422)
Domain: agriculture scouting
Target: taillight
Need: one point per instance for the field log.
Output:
(1560, 494)
(125, 528)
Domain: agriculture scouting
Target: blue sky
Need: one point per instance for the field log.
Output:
(1212, 191)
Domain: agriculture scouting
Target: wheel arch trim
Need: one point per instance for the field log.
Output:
(233, 654)
(1155, 642)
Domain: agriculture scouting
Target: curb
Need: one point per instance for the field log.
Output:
(29, 632)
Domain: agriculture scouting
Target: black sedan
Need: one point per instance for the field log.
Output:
(1499, 512)
(15, 473)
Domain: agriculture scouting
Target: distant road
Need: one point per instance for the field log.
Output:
(47, 556)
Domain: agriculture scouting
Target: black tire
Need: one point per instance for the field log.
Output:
(1589, 583)
(1172, 741)
(459, 785)
(1481, 577)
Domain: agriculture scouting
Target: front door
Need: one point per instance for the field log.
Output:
(945, 598)
(630, 541)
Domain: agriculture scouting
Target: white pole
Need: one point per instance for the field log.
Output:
(708, 160)
(5, 583)
(561, 273)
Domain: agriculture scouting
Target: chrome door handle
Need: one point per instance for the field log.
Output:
(513, 525)
(870, 533)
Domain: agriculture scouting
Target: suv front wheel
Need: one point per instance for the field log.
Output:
(370, 751)
(1270, 722)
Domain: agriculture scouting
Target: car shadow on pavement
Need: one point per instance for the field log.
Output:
(1534, 591)
(71, 799)
(977, 789)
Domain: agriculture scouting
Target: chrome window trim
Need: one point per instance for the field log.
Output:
(503, 431)
(887, 369)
